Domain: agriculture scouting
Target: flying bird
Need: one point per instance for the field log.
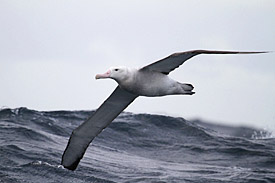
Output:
(151, 80)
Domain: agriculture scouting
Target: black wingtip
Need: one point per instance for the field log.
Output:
(227, 52)
(71, 157)
(253, 52)
(71, 166)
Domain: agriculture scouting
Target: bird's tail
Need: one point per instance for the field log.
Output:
(187, 88)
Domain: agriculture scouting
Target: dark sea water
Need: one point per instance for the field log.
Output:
(134, 148)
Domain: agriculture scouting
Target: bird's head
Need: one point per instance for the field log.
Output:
(117, 73)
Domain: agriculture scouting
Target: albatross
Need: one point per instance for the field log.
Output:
(151, 80)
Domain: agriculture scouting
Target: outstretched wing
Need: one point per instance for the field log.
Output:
(173, 61)
(83, 135)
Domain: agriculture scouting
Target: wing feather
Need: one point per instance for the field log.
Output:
(83, 135)
(170, 63)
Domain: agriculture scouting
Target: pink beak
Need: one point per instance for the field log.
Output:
(105, 75)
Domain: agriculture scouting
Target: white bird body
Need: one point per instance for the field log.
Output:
(151, 84)
(151, 80)
(145, 82)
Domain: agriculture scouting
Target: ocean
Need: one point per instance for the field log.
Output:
(134, 148)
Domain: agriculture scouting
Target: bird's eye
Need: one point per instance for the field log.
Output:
(116, 69)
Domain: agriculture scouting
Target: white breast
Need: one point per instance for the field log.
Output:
(148, 83)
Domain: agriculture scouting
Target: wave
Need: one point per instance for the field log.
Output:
(135, 147)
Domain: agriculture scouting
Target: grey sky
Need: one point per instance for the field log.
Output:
(50, 52)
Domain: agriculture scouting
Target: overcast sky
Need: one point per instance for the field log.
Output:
(50, 52)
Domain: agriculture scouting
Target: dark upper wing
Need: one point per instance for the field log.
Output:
(83, 135)
(173, 61)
